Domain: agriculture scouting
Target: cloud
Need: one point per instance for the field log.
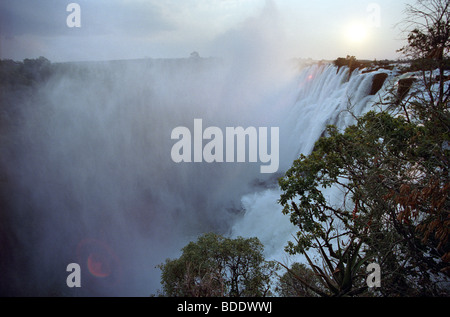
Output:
(48, 18)
(21, 17)
(113, 29)
(110, 29)
(261, 36)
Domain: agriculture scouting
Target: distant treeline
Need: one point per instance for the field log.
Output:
(25, 73)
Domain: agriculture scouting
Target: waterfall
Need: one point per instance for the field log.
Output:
(326, 95)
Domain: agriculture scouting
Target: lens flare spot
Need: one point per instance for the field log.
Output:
(98, 265)
(100, 261)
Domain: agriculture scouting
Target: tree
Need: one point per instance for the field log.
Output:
(390, 170)
(381, 169)
(428, 27)
(430, 34)
(428, 106)
(218, 266)
(30, 71)
(289, 284)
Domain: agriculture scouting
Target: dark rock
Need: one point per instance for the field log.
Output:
(378, 81)
(404, 85)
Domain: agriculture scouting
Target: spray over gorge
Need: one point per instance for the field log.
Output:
(91, 179)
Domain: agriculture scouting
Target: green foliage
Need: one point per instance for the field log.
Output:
(350, 61)
(353, 63)
(26, 73)
(218, 266)
(289, 284)
(394, 182)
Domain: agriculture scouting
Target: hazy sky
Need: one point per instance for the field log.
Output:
(122, 29)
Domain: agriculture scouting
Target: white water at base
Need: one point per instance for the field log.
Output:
(326, 96)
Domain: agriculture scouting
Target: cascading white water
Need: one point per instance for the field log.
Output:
(325, 95)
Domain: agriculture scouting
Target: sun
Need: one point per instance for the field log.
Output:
(356, 33)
